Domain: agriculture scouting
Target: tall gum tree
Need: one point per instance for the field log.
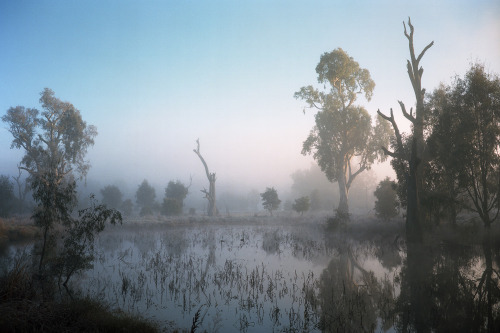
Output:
(55, 143)
(416, 160)
(465, 141)
(343, 135)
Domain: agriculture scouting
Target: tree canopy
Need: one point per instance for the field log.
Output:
(145, 197)
(175, 193)
(464, 142)
(301, 205)
(386, 205)
(270, 199)
(343, 135)
(112, 196)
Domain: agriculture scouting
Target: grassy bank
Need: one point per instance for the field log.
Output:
(16, 229)
(23, 309)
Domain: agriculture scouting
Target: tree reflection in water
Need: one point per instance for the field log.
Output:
(352, 299)
(441, 287)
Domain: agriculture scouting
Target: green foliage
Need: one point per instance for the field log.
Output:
(77, 252)
(176, 190)
(112, 196)
(343, 131)
(301, 205)
(464, 119)
(270, 199)
(145, 198)
(55, 143)
(171, 206)
(55, 139)
(127, 207)
(386, 205)
(6, 196)
(175, 193)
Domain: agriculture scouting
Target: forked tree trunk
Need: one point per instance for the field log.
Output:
(210, 194)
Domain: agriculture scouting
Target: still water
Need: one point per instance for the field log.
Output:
(248, 278)
(295, 278)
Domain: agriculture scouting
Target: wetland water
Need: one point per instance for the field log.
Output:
(288, 278)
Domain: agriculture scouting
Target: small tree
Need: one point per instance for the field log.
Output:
(175, 193)
(6, 196)
(386, 205)
(145, 198)
(78, 247)
(127, 207)
(301, 205)
(270, 200)
(112, 196)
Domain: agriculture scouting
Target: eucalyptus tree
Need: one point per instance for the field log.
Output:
(55, 142)
(343, 135)
(466, 140)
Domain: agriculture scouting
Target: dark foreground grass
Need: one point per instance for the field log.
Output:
(81, 315)
(23, 310)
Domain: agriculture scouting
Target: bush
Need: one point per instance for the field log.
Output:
(386, 205)
(301, 205)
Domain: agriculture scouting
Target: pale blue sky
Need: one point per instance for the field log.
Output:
(153, 76)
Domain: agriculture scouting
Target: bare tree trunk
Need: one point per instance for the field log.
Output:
(415, 160)
(210, 194)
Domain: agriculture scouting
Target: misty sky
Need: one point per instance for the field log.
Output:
(154, 76)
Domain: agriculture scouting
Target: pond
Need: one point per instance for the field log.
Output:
(294, 278)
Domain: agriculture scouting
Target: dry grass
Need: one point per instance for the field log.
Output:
(22, 310)
(17, 229)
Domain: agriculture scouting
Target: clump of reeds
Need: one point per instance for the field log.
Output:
(23, 310)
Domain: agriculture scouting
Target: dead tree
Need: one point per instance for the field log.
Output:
(210, 194)
(22, 189)
(415, 160)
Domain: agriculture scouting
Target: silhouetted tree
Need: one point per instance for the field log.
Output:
(476, 101)
(175, 193)
(127, 207)
(145, 198)
(301, 205)
(210, 194)
(386, 205)
(270, 199)
(343, 132)
(416, 159)
(78, 247)
(112, 196)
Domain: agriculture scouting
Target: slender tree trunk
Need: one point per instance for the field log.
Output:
(44, 245)
(343, 207)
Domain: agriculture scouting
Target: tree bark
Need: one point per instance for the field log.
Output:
(415, 185)
(415, 160)
(343, 207)
(210, 194)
